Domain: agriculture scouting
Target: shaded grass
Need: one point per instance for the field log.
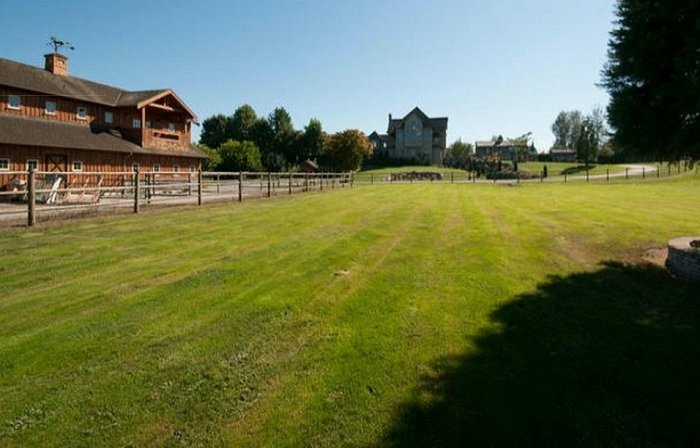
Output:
(230, 324)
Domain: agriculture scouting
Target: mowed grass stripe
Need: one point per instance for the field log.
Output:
(228, 325)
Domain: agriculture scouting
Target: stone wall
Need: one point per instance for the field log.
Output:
(683, 258)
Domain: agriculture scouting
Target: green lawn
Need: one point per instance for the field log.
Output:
(571, 169)
(392, 315)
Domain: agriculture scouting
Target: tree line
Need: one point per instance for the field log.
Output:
(244, 141)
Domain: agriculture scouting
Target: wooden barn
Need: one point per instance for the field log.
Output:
(51, 121)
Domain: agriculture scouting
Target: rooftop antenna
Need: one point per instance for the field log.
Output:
(56, 43)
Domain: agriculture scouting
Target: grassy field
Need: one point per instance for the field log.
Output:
(571, 169)
(393, 315)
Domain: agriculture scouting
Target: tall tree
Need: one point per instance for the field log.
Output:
(241, 123)
(344, 151)
(588, 141)
(653, 78)
(283, 134)
(240, 156)
(312, 140)
(457, 154)
(561, 128)
(214, 131)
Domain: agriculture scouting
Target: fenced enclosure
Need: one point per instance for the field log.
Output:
(39, 195)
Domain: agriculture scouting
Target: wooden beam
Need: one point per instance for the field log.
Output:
(163, 107)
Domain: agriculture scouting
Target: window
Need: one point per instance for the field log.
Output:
(50, 108)
(148, 124)
(156, 167)
(109, 117)
(4, 164)
(77, 165)
(32, 164)
(136, 124)
(135, 167)
(176, 168)
(171, 127)
(82, 113)
(193, 168)
(14, 101)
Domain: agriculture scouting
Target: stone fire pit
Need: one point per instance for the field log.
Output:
(684, 257)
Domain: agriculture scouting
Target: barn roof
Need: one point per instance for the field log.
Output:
(19, 130)
(35, 79)
(437, 123)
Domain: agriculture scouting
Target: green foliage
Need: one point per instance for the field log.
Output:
(653, 78)
(215, 131)
(240, 156)
(457, 154)
(241, 123)
(566, 128)
(312, 141)
(344, 151)
(214, 160)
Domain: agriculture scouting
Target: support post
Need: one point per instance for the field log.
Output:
(452, 177)
(627, 173)
(290, 183)
(321, 181)
(269, 184)
(643, 173)
(352, 179)
(658, 171)
(607, 174)
(371, 178)
(136, 190)
(240, 186)
(218, 183)
(31, 199)
(199, 187)
(189, 183)
(564, 176)
(587, 174)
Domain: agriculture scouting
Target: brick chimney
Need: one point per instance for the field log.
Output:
(56, 64)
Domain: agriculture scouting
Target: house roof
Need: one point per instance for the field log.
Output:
(504, 143)
(20, 130)
(438, 123)
(35, 79)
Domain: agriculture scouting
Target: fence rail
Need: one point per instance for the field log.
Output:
(39, 195)
(36, 195)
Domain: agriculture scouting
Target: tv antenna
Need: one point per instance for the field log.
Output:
(56, 43)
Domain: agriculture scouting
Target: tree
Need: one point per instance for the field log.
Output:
(312, 140)
(588, 141)
(653, 78)
(344, 151)
(240, 156)
(241, 123)
(214, 131)
(214, 159)
(283, 134)
(561, 128)
(457, 154)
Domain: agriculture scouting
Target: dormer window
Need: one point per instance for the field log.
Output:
(14, 101)
(109, 117)
(81, 113)
(171, 127)
(50, 108)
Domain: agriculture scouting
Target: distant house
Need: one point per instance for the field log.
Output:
(51, 121)
(502, 149)
(414, 137)
(561, 154)
(309, 166)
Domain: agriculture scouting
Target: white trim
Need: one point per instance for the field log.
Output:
(46, 107)
(32, 160)
(176, 168)
(136, 123)
(109, 114)
(79, 169)
(156, 168)
(6, 162)
(9, 102)
(77, 113)
(135, 167)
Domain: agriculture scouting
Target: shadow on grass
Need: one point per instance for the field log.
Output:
(576, 169)
(609, 358)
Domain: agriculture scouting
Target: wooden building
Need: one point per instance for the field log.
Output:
(51, 121)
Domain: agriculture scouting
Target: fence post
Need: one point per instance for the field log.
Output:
(189, 183)
(627, 173)
(669, 169)
(658, 171)
(643, 173)
(240, 186)
(321, 181)
(587, 174)
(31, 199)
(452, 177)
(371, 178)
(607, 174)
(518, 178)
(218, 180)
(290, 183)
(136, 190)
(199, 187)
(333, 182)
(269, 183)
(352, 179)
(564, 176)
(542, 177)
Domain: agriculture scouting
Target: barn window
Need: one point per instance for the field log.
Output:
(109, 117)
(148, 124)
(32, 164)
(176, 168)
(136, 123)
(156, 167)
(193, 168)
(82, 113)
(77, 165)
(171, 127)
(50, 108)
(135, 167)
(4, 164)
(14, 101)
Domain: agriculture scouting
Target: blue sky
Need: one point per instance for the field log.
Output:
(492, 66)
